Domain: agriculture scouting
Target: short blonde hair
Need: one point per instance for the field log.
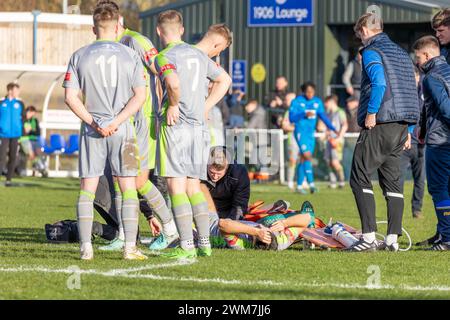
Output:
(369, 20)
(219, 159)
(222, 30)
(442, 18)
(426, 42)
(170, 17)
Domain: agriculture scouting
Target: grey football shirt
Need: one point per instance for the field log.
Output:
(147, 53)
(106, 73)
(192, 66)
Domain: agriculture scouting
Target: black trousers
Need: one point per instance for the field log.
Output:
(415, 157)
(13, 146)
(379, 149)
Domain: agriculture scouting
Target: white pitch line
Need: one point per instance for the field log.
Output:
(109, 273)
(125, 273)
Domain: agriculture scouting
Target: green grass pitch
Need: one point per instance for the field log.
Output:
(30, 268)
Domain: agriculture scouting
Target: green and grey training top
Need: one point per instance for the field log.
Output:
(147, 53)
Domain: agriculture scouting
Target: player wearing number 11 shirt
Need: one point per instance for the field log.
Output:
(112, 81)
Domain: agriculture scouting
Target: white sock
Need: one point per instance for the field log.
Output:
(130, 245)
(369, 237)
(121, 233)
(391, 239)
(187, 244)
(170, 229)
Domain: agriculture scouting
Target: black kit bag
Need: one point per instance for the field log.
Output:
(65, 231)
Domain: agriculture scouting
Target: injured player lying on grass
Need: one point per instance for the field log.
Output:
(273, 232)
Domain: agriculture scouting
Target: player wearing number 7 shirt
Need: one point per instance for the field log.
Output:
(111, 78)
(183, 70)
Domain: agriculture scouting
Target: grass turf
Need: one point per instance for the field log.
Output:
(30, 268)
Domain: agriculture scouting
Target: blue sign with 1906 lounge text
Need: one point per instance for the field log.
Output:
(279, 13)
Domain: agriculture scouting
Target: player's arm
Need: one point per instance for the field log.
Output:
(74, 103)
(286, 125)
(241, 195)
(440, 97)
(296, 113)
(167, 73)
(228, 226)
(173, 92)
(297, 221)
(344, 127)
(219, 89)
(139, 87)
(133, 106)
(373, 66)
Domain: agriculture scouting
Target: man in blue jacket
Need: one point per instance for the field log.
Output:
(441, 25)
(388, 106)
(11, 109)
(304, 112)
(436, 90)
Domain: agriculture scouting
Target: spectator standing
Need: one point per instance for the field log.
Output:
(335, 144)
(275, 102)
(257, 115)
(388, 107)
(436, 88)
(415, 159)
(441, 25)
(291, 144)
(352, 121)
(305, 111)
(29, 142)
(11, 110)
(236, 104)
(352, 76)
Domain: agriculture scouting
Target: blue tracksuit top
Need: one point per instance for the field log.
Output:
(11, 118)
(307, 124)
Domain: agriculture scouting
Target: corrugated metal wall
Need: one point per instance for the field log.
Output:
(298, 53)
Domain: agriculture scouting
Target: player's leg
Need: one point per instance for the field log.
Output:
(85, 215)
(122, 151)
(158, 205)
(365, 161)
(293, 160)
(286, 238)
(389, 178)
(418, 171)
(240, 235)
(338, 171)
(438, 177)
(12, 155)
(118, 243)
(91, 162)
(328, 160)
(337, 156)
(300, 169)
(200, 214)
(182, 211)
(307, 164)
